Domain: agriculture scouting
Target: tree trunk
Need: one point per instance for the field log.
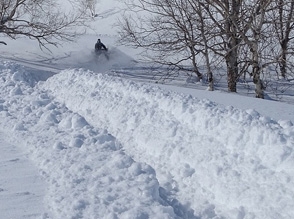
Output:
(259, 87)
(283, 63)
(206, 49)
(284, 27)
(232, 65)
(256, 70)
(232, 54)
(194, 63)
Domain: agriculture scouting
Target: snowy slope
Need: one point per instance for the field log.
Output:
(212, 157)
(107, 147)
(86, 170)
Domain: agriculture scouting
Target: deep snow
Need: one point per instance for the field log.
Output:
(108, 147)
(82, 137)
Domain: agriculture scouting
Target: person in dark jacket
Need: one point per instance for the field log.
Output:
(100, 46)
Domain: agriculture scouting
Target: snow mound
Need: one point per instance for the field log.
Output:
(88, 174)
(222, 162)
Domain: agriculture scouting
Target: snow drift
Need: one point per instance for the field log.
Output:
(86, 170)
(222, 162)
(114, 148)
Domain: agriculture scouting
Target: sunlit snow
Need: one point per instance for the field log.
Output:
(82, 137)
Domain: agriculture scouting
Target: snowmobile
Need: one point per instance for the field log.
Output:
(100, 53)
(100, 49)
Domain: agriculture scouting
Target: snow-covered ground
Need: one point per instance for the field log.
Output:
(88, 138)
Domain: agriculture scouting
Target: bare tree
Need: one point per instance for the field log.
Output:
(253, 35)
(91, 5)
(240, 32)
(242, 25)
(166, 28)
(43, 20)
(226, 14)
(282, 18)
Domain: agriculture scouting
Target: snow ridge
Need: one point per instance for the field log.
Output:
(223, 162)
(87, 172)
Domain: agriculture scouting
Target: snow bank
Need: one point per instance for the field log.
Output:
(87, 172)
(91, 134)
(222, 162)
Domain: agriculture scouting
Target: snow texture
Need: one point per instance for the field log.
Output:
(86, 137)
(108, 147)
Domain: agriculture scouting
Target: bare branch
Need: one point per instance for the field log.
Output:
(42, 20)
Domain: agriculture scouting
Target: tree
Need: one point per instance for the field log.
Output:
(241, 33)
(91, 5)
(282, 17)
(205, 27)
(226, 15)
(241, 26)
(253, 34)
(43, 20)
(166, 28)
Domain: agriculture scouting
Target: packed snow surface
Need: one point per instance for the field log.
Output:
(108, 147)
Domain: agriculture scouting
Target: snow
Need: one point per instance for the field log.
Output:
(86, 170)
(17, 200)
(88, 138)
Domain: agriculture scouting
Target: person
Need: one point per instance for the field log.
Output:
(100, 46)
